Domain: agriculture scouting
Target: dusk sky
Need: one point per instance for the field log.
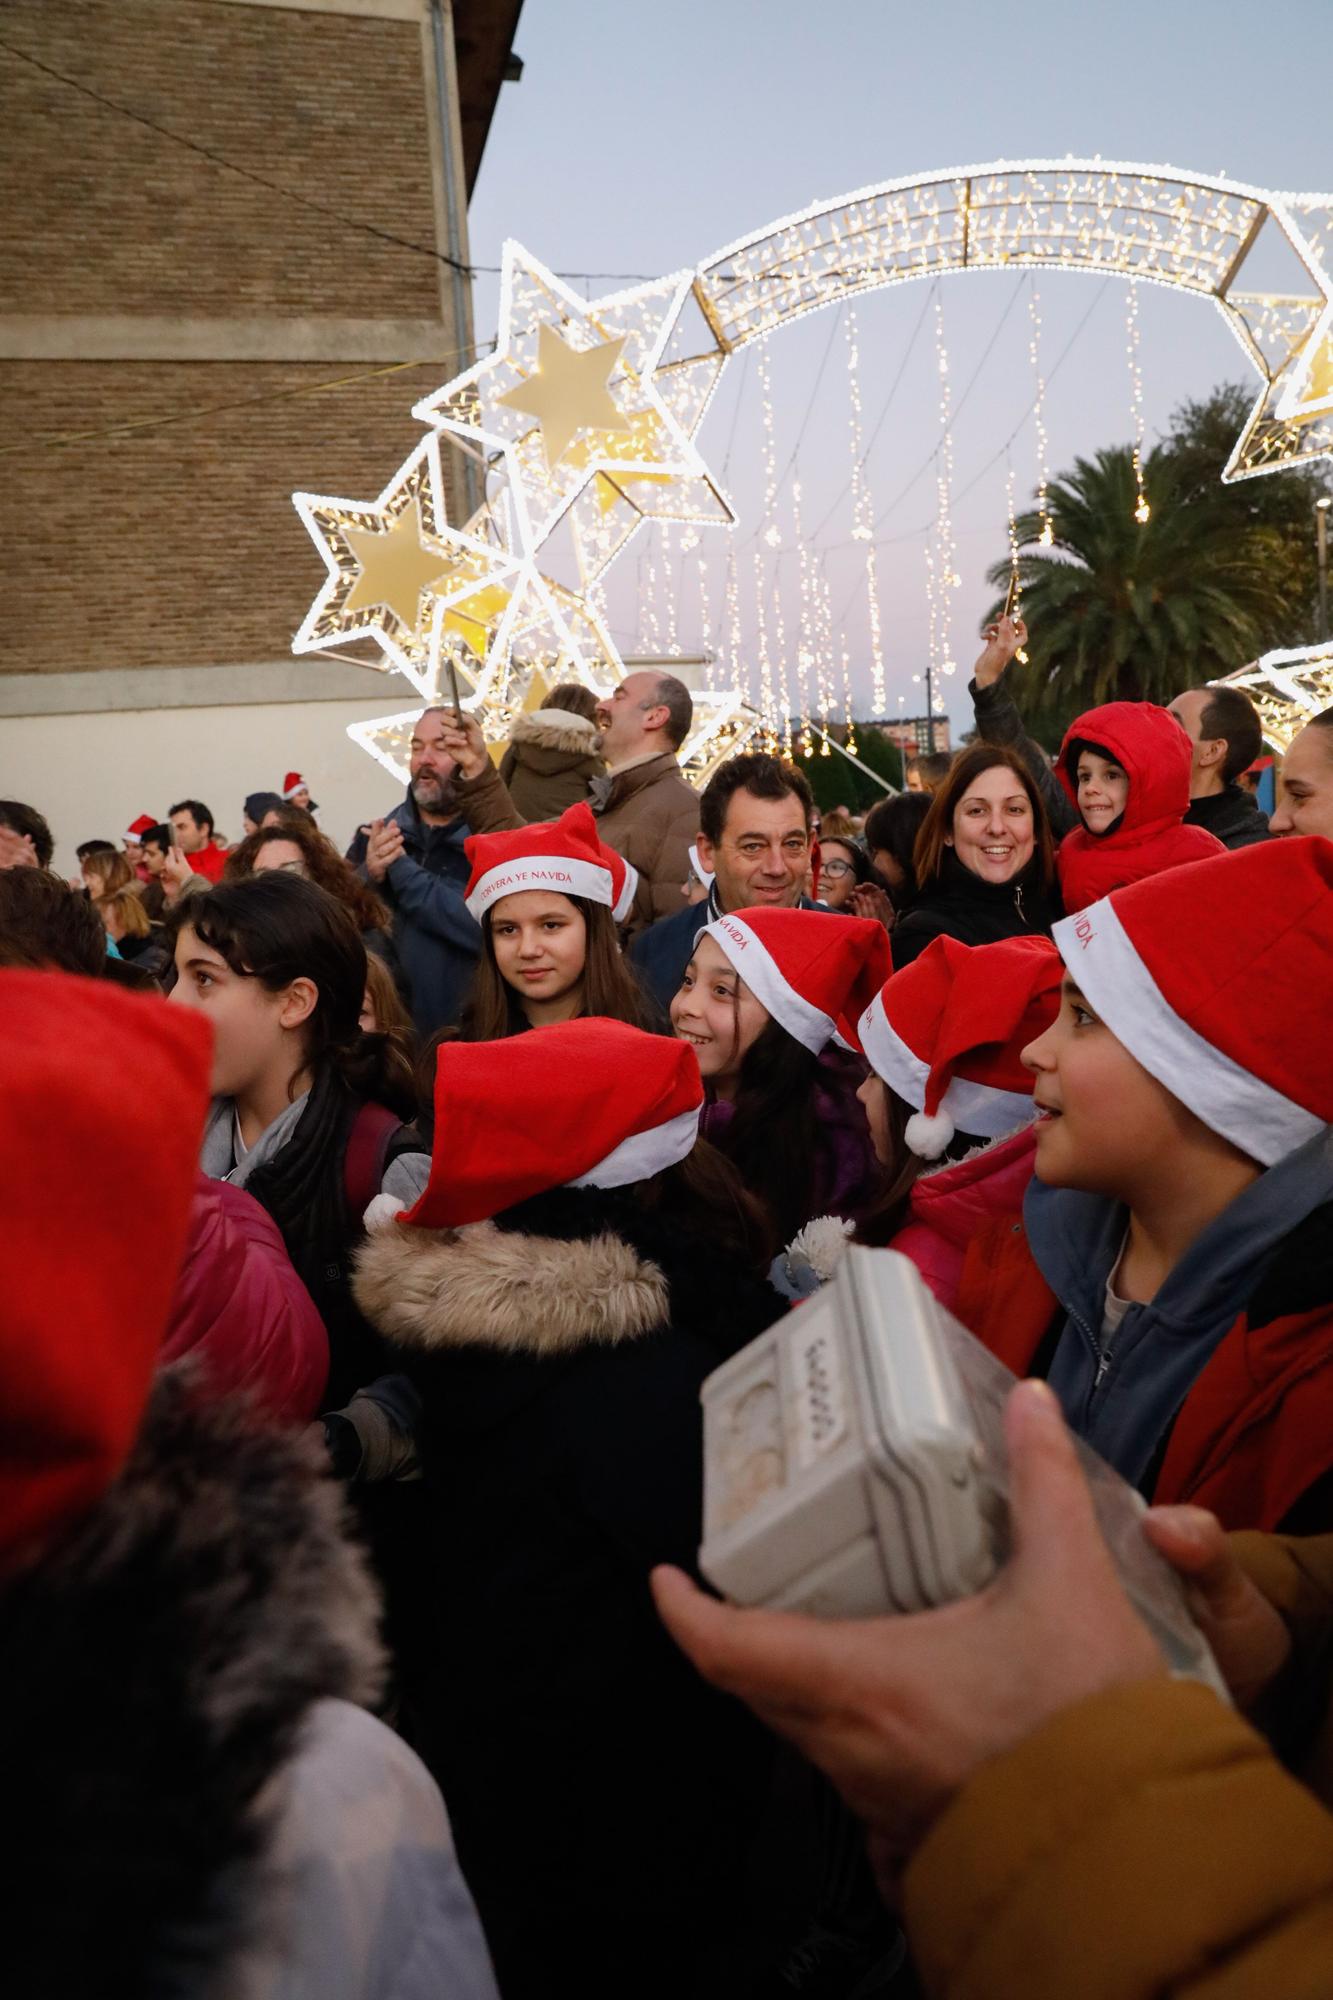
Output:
(642, 138)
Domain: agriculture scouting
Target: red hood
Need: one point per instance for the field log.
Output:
(1151, 748)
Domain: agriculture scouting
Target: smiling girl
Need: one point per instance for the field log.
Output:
(1126, 769)
(985, 859)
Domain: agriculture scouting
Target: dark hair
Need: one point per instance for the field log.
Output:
(931, 766)
(860, 861)
(893, 825)
(937, 826)
(400, 1037)
(773, 1135)
(676, 699)
(573, 699)
(706, 1190)
(26, 819)
(1231, 714)
(763, 776)
(258, 803)
(160, 835)
(46, 925)
(324, 866)
(197, 810)
(888, 1212)
(87, 847)
(134, 978)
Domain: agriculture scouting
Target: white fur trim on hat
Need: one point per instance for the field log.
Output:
(381, 1212)
(701, 873)
(644, 1154)
(927, 1136)
(1241, 1107)
(804, 1022)
(559, 872)
(624, 902)
(980, 1108)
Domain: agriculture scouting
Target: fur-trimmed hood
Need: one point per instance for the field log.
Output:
(557, 729)
(155, 1668)
(570, 1269)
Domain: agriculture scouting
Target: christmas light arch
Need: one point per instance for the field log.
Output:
(582, 423)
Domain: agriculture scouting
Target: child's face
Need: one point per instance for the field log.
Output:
(1107, 1121)
(1103, 791)
(540, 943)
(255, 1032)
(715, 1012)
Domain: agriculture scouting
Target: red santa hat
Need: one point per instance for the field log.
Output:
(137, 828)
(948, 1031)
(292, 784)
(809, 969)
(1216, 977)
(564, 854)
(104, 1092)
(588, 1103)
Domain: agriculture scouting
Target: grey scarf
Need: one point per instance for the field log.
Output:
(218, 1156)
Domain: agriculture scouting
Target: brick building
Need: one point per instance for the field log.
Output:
(216, 285)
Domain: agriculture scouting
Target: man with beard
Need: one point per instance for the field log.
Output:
(415, 859)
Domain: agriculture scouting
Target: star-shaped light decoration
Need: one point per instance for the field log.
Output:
(569, 398)
(400, 576)
(1290, 341)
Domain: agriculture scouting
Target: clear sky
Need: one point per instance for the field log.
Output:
(646, 134)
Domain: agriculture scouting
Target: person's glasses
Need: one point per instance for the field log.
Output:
(837, 869)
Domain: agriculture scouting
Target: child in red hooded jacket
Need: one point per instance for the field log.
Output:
(1126, 769)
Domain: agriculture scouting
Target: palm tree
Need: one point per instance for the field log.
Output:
(1123, 609)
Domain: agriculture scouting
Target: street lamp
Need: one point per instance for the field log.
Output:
(1321, 508)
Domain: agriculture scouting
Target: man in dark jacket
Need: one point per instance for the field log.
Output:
(1223, 726)
(1221, 723)
(415, 858)
(755, 818)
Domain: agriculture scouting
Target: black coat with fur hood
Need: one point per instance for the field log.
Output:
(552, 758)
(603, 1797)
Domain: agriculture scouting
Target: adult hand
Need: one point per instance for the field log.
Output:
(17, 850)
(465, 743)
(1004, 638)
(868, 899)
(899, 1712)
(1249, 1639)
(176, 872)
(383, 848)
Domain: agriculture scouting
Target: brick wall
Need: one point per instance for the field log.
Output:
(180, 546)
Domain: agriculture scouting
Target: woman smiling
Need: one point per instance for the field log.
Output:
(985, 860)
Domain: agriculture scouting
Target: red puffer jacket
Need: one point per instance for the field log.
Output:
(947, 1209)
(242, 1310)
(1153, 751)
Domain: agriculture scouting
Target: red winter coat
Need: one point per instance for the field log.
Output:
(947, 1209)
(242, 1310)
(1154, 752)
(1254, 1436)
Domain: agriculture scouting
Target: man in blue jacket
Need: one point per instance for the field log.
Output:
(755, 817)
(414, 856)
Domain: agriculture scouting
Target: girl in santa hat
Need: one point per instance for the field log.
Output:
(577, 1265)
(760, 1005)
(1173, 1274)
(307, 1108)
(548, 899)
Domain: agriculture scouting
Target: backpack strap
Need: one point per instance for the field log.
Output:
(368, 1142)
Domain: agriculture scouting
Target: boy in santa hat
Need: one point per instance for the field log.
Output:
(1173, 1277)
(1125, 768)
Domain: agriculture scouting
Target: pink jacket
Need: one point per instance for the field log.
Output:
(949, 1207)
(240, 1307)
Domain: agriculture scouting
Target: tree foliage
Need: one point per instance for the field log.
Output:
(1119, 609)
(834, 781)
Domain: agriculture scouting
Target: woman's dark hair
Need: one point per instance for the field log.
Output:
(888, 1213)
(706, 1190)
(937, 827)
(893, 825)
(774, 1131)
(323, 864)
(493, 1011)
(47, 925)
(276, 928)
(400, 1036)
(574, 699)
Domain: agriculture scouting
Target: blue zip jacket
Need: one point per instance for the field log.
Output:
(437, 940)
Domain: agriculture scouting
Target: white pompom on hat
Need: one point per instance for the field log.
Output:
(947, 1033)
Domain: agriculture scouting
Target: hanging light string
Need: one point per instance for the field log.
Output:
(670, 593)
(1141, 509)
(1047, 535)
(1016, 604)
(863, 513)
(780, 659)
(706, 645)
(806, 641)
(772, 534)
(771, 537)
(652, 630)
(946, 577)
(824, 648)
(768, 707)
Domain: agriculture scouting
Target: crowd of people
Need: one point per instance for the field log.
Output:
(352, 1481)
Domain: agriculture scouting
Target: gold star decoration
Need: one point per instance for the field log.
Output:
(568, 391)
(393, 562)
